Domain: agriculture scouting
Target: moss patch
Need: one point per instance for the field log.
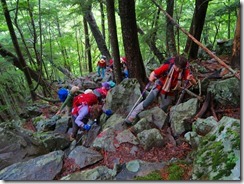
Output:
(155, 175)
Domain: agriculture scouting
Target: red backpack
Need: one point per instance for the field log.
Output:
(83, 99)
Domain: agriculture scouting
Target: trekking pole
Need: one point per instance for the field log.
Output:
(182, 94)
(139, 99)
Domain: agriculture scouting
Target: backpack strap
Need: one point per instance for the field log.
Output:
(171, 62)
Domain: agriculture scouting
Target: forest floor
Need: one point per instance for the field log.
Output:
(180, 150)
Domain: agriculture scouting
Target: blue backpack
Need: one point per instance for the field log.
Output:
(62, 94)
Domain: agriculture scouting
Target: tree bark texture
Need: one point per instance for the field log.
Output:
(114, 41)
(97, 34)
(15, 61)
(87, 45)
(197, 24)
(170, 35)
(21, 59)
(130, 39)
(235, 59)
(152, 45)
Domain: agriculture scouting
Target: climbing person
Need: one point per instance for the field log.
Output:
(81, 112)
(110, 69)
(62, 94)
(101, 66)
(170, 77)
(102, 92)
(125, 71)
(69, 101)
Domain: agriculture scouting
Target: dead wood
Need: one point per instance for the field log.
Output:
(213, 110)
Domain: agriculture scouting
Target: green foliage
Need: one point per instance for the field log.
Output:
(175, 172)
(155, 175)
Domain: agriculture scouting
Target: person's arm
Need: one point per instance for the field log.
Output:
(64, 104)
(82, 113)
(152, 76)
(191, 79)
(157, 73)
(188, 76)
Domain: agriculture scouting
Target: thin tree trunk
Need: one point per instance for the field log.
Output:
(114, 41)
(15, 61)
(17, 49)
(170, 36)
(63, 50)
(152, 45)
(102, 20)
(235, 59)
(130, 39)
(78, 49)
(197, 24)
(87, 45)
(97, 34)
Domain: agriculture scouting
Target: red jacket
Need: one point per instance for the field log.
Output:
(102, 63)
(159, 72)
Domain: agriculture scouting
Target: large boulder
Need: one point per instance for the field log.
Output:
(218, 153)
(18, 145)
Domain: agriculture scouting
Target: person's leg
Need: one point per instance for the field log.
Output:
(98, 70)
(148, 101)
(103, 72)
(166, 101)
(75, 128)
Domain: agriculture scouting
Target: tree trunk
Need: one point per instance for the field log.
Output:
(102, 20)
(196, 27)
(15, 61)
(62, 48)
(235, 59)
(153, 47)
(114, 41)
(130, 39)
(170, 36)
(87, 45)
(17, 49)
(97, 34)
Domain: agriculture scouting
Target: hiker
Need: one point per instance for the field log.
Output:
(111, 65)
(169, 77)
(69, 101)
(125, 71)
(81, 111)
(101, 65)
(102, 92)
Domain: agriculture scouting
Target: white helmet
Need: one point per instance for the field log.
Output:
(88, 91)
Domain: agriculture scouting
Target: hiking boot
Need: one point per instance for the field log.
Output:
(129, 121)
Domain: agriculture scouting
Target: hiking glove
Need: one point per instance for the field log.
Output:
(87, 127)
(108, 112)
